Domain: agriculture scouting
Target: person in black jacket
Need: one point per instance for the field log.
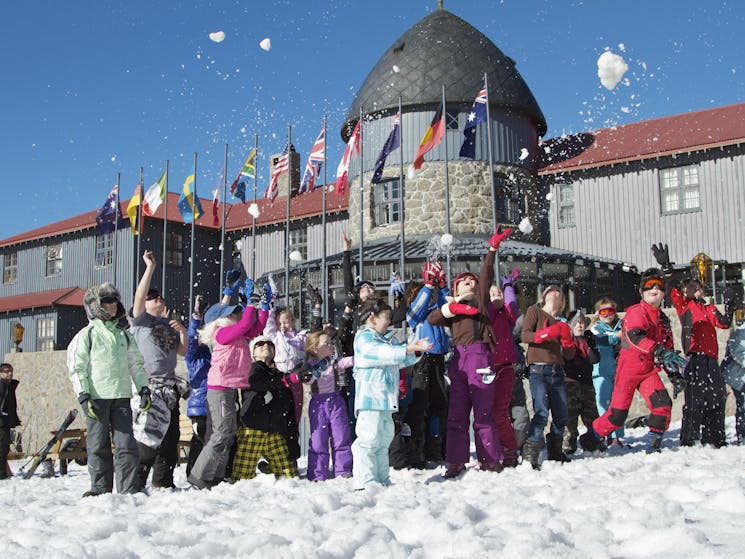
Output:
(268, 426)
(8, 414)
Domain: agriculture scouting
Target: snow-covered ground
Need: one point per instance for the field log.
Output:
(680, 503)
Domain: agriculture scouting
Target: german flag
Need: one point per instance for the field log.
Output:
(432, 137)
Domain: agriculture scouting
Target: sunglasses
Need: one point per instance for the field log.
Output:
(263, 343)
(109, 300)
(652, 283)
(607, 311)
(153, 297)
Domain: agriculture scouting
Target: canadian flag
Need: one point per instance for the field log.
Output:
(353, 145)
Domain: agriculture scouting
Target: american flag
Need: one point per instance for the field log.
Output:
(313, 166)
(281, 166)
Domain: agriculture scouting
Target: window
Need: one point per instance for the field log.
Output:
(679, 190)
(45, 334)
(387, 203)
(104, 250)
(451, 120)
(10, 267)
(566, 205)
(507, 199)
(175, 249)
(299, 241)
(54, 260)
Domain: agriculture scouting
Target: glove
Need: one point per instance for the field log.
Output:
(199, 306)
(314, 296)
(567, 337)
(305, 375)
(233, 282)
(670, 360)
(397, 286)
(351, 301)
(442, 281)
(511, 278)
(590, 337)
(266, 297)
(498, 237)
(431, 272)
(461, 309)
(145, 399)
(678, 382)
(556, 331)
(661, 253)
(245, 291)
(87, 404)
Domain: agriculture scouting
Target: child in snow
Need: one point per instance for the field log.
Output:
(378, 356)
(578, 382)
(646, 347)
(8, 414)
(606, 327)
(198, 359)
(733, 371)
(268, 426)
(503, 313)
(470, 368)
(327, 409)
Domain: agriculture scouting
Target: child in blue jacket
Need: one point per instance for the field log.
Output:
(198, 359)
(377, 360)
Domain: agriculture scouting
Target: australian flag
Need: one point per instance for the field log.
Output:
(391, 144)
(475, 117)
(109, 214)
(313, 166)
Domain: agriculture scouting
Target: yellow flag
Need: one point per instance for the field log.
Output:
(134, 204)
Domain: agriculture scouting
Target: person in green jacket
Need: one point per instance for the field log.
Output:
(104, 362)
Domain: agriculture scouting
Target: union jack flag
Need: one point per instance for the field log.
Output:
(313, 166)
(281, 166)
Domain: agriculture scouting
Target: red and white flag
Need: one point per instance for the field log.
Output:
(281, 166)
(215, 205)
(155, 196)
(353, 146)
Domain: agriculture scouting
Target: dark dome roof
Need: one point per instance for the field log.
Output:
(443, 49)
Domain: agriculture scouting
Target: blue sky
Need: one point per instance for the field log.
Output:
(93, 88)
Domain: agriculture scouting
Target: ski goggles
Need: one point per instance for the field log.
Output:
(651, 283)
(109, 300)
(607, 311)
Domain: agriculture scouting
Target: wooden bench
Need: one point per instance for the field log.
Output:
(71, 446)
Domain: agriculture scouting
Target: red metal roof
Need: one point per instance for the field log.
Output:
(71, 296)
(237, 216)
(694, 131)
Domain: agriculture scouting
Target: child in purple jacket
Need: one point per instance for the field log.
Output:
(327, 410)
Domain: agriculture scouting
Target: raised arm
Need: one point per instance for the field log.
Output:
(138, 307)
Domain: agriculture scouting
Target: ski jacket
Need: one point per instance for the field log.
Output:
(644, 328)
(8, 404)
(733, 366)
(477, 328)
(198, 359)
(103, 361)
(548, 351)
(289, 347)
(377, 360)
(502, 319)
(416, 316)
(607, 340)
(698, 323)
(579, 367)
(231, 356)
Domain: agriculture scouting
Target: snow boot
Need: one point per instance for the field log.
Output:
(591, 441)
(491, 466)
(510, 459)
(532, 453)
(454, 470)
(553, 446)
(654, 442)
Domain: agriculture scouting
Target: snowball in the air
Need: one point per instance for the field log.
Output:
(611, 68)
(253, 209)
(217, 36)
(524, 154)
(446, 239)
(296, 256)
(266, 44)
(525, 226)
(396, 69)
(550, 196)
(238, 244)
(113, 158)
(411, 173)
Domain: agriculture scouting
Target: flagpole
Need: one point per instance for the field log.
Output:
(139, 229)
(287, 219)
(447, 189)
(222, 224)
(116, 225)
(165, 237)
(324, 272)
(402, 238)
(193, 220)
(253, 218)
(361, 265)
(491, 174)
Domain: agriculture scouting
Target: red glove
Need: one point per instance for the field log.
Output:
(567, 338)
(442, 281)
(403, 389)
(431, 272)
(554, 332)
(462, 309)
(498, 237)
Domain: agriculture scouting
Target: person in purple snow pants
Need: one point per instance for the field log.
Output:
(327, 410)
(470, 372)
